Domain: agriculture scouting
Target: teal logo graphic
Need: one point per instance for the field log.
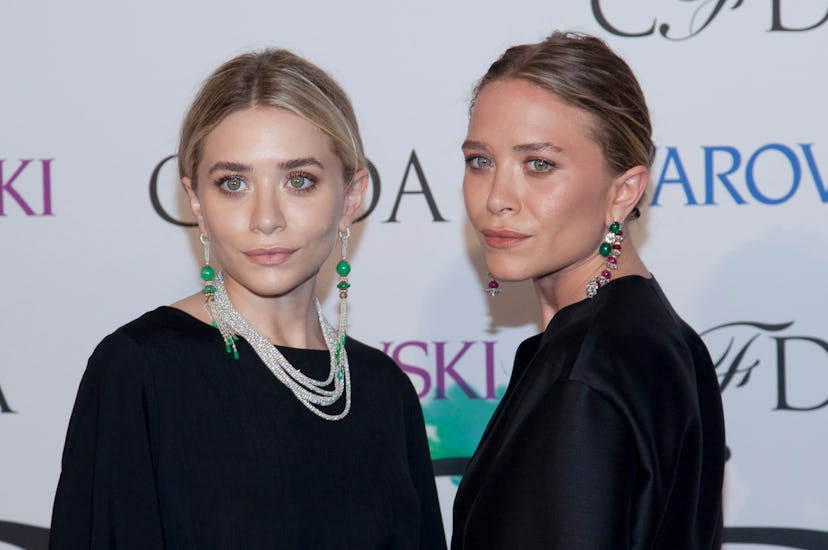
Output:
(454, 426)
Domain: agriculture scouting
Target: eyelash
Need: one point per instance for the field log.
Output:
(307, 189)
(221, 181)
(470, 162)
(549, 166)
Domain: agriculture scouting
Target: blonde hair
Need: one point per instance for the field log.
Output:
(271, 78)
(583, 71)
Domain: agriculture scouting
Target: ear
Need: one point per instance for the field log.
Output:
(353, 198)
(625, 193)
(195, 203)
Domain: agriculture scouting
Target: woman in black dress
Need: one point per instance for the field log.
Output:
(239, 417)
(610, 434)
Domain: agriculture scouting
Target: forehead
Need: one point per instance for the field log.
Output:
(522, 110)
(268, 133)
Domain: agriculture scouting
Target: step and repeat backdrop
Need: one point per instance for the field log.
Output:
(95, 229)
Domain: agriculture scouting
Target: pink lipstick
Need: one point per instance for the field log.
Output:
(503, 238)
(269, 256)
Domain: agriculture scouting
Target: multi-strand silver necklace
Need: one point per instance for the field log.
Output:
(313, 394)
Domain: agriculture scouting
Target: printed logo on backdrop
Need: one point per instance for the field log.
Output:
(796, 362)
(4, 404)
(772, 174)
(413, 171)
(784, 16)
(26, 187)
(742, 351)
(458, 397)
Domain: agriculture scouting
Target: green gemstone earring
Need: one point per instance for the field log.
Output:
(208, 273)
(343, 269)
(609, 249)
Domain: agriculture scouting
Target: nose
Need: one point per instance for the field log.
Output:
(502, 193)
(267, 215)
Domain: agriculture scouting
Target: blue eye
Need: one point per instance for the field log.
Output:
(232, 184)
(540, 165)
(301, 182)
(479, 162)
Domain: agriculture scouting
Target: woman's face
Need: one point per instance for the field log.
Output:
(271, 198)
(536, 187)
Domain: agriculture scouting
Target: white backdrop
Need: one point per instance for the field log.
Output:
(91, 97)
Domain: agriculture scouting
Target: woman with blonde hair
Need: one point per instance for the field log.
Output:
(239, 417)
(610, 434)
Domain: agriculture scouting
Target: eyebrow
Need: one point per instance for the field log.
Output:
(474, 145)
(538, 146)
(522, 148)
(290, 164)
(300, 162)
(228, 167)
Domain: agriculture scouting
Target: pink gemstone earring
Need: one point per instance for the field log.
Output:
(609, 249)
(493, 288)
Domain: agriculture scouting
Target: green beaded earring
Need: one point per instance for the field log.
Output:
(208, 273)
(609, 249)
(343, 268)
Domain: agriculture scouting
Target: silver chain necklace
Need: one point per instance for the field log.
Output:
(312, 393)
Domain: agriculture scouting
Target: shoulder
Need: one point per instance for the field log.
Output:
(632, 345)
(164, 322)
(636, 325)
(162, 329)
(134, 347)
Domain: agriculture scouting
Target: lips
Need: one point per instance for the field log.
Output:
(503, 238)
(269, 256)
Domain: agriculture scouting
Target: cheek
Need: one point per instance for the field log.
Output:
(224, 219)
(315, 219)
(551, 204)
(474, 197)
(578, 201)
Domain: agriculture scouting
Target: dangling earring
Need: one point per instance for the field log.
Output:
(209, 291)
(207, 272)
(493, 288)
(343, 268)
(609, 249)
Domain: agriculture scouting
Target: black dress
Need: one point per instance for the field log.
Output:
(174, 444)
(610, 436)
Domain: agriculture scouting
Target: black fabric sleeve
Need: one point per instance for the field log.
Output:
(106, 496)
(432, 535)
(567, 479)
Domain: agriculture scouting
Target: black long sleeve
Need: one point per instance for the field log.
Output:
(106, 497)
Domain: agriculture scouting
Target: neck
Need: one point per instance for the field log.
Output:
(288, 320)
(557, 290)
